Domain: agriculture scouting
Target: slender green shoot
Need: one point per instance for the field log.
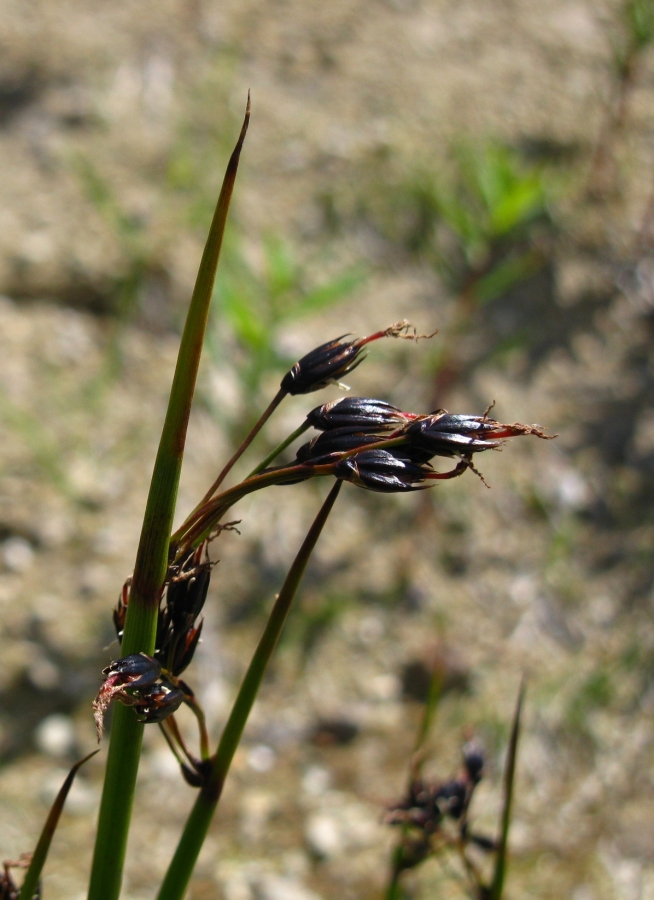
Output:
(31, 880)
(181, 867)
(499, 875)
(272, 406)
(280, 449)
(152, 558)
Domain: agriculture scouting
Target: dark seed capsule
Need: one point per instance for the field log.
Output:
(186, 596)
(426, 435)
(331, 361)
(340, 440)
(484, 842)
(462, 424)
(158, 703)
(473, 760)
(379, 470)
(323, 366)
(185, 647)
(136, 671)
(450, 798)
(362, 413)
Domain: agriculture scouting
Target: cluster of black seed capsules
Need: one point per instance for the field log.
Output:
(428, 806)
(377, 446)
(151, 684)
(356, 432)
(365, 441)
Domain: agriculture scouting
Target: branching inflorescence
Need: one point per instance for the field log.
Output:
(365, 441)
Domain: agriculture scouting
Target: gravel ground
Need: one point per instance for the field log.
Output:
(547, 574)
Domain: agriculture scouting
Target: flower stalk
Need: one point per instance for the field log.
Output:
(181, 867)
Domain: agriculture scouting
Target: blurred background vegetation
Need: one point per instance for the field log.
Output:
(483, 168)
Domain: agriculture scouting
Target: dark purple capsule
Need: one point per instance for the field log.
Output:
(158, 703)
(379, 470)
(186, 595)
(362, 413)
(323, 366)
(185, 647)
(462, 424)
(340, 440)
(450, 798)
(331, 361)
(425, 435)
(473, 761)
(486, 429)
(137, 671)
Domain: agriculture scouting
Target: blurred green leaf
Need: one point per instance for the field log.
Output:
(504, 276)
(40, 855)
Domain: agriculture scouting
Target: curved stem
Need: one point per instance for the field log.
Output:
(272, 406)
(279, 449)
(206, 517)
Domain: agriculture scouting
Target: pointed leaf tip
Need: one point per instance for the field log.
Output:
(40, 854)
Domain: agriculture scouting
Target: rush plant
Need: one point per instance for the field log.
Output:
(364, 441)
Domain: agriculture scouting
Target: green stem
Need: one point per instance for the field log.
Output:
(272, 406)
(279, 449)
(393, 891)
(206, 518)
(181, 867)
(499, 874)
(152, 559)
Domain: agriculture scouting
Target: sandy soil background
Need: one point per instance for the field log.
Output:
(116, 120)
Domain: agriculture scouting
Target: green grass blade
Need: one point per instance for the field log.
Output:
(40, 854)
(152, 558)
(499, 874)
(181, 867)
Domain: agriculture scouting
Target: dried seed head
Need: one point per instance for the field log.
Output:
(323, 366)
(186, 592)
(361, 413)
(333, 360)
(443, 434)
(380, 470)
(137, 672)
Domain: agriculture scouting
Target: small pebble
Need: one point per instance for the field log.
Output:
(17, 554)
(55, 735)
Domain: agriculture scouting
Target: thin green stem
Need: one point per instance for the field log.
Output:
(181, 867)
(206, 518)
(279, 449)
(163, 728)
(393, 891)
(176, 735)
(272, 406)
(198, 712)
(152, 558)
(499, 874)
